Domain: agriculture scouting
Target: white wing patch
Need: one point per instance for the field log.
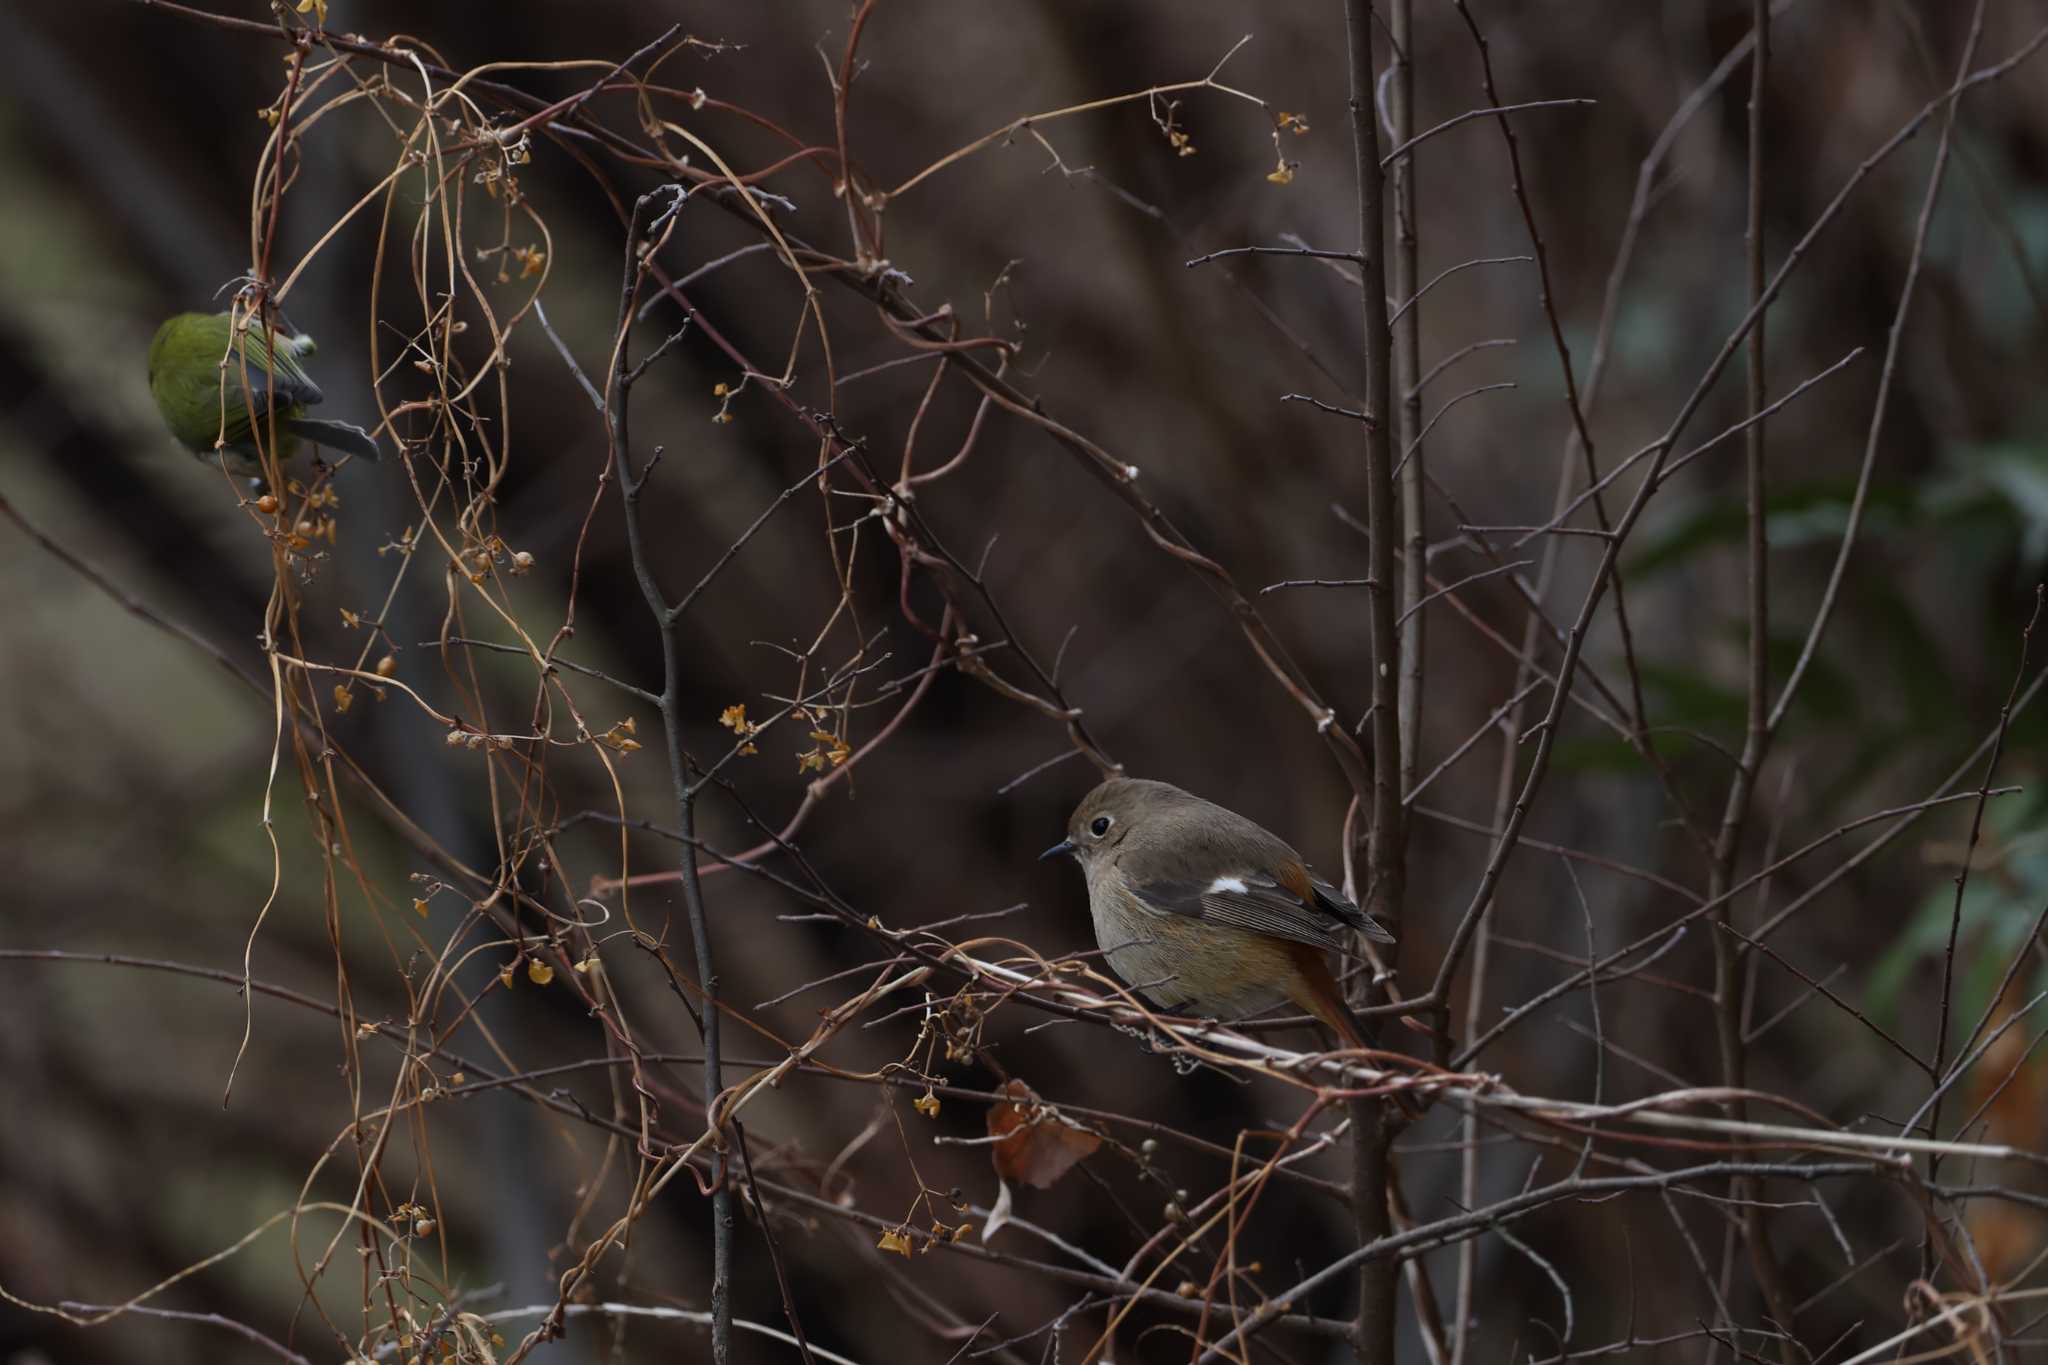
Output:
(1247, 901)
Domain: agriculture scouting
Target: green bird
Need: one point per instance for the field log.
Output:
(213, 411)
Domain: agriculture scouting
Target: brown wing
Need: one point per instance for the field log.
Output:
(1175, 873)
(1257, 904)
(1334, 901)
(1316, 913)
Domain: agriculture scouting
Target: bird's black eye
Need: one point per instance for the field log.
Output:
(1099, 826)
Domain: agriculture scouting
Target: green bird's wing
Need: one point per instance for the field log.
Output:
(257, 377)
(273, 376)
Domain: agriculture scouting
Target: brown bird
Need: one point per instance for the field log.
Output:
(1197, 907)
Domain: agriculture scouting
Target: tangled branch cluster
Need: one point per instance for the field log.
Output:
(574, 897)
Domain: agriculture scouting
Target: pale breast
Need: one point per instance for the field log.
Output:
(1181, 963)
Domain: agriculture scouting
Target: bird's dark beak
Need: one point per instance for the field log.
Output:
(1063, 846)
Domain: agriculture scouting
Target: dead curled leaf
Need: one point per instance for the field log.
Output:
(1037, 1146)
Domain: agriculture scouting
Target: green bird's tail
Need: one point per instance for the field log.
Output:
(322, 431)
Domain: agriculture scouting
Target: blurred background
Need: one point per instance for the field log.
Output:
(133, 768)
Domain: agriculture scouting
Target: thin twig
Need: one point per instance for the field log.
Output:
(1401, 149)
(1373, 1127)
(1305, 251)
(1948, 103)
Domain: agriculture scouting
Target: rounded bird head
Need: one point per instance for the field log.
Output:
(1111, 813)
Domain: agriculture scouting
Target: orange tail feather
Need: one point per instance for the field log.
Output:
(1316, 991)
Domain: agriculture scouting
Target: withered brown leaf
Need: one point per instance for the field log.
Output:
(1037, 1146)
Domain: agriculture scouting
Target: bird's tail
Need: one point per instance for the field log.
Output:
(1318, 992)
(323, 431)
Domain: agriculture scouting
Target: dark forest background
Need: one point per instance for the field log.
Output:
(133, 767)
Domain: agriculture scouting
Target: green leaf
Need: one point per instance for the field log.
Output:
(1605, 752)
(1826, 693)
(2007, 889)
(1799, 515)
(1919, 670)
(2009, 480)
(1608, 752)
(1685, 696)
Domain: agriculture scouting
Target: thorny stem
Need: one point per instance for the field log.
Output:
(1730, 957)
(1374, 1125)
(1660, 450)
(1581, 434)
(1390, 1248)
(1407, 345)
(1481, 944)
(1406, 322)
(1512, 725)
(1948, 102)
(618, 395)
(1384, 859)
(1955, 922)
